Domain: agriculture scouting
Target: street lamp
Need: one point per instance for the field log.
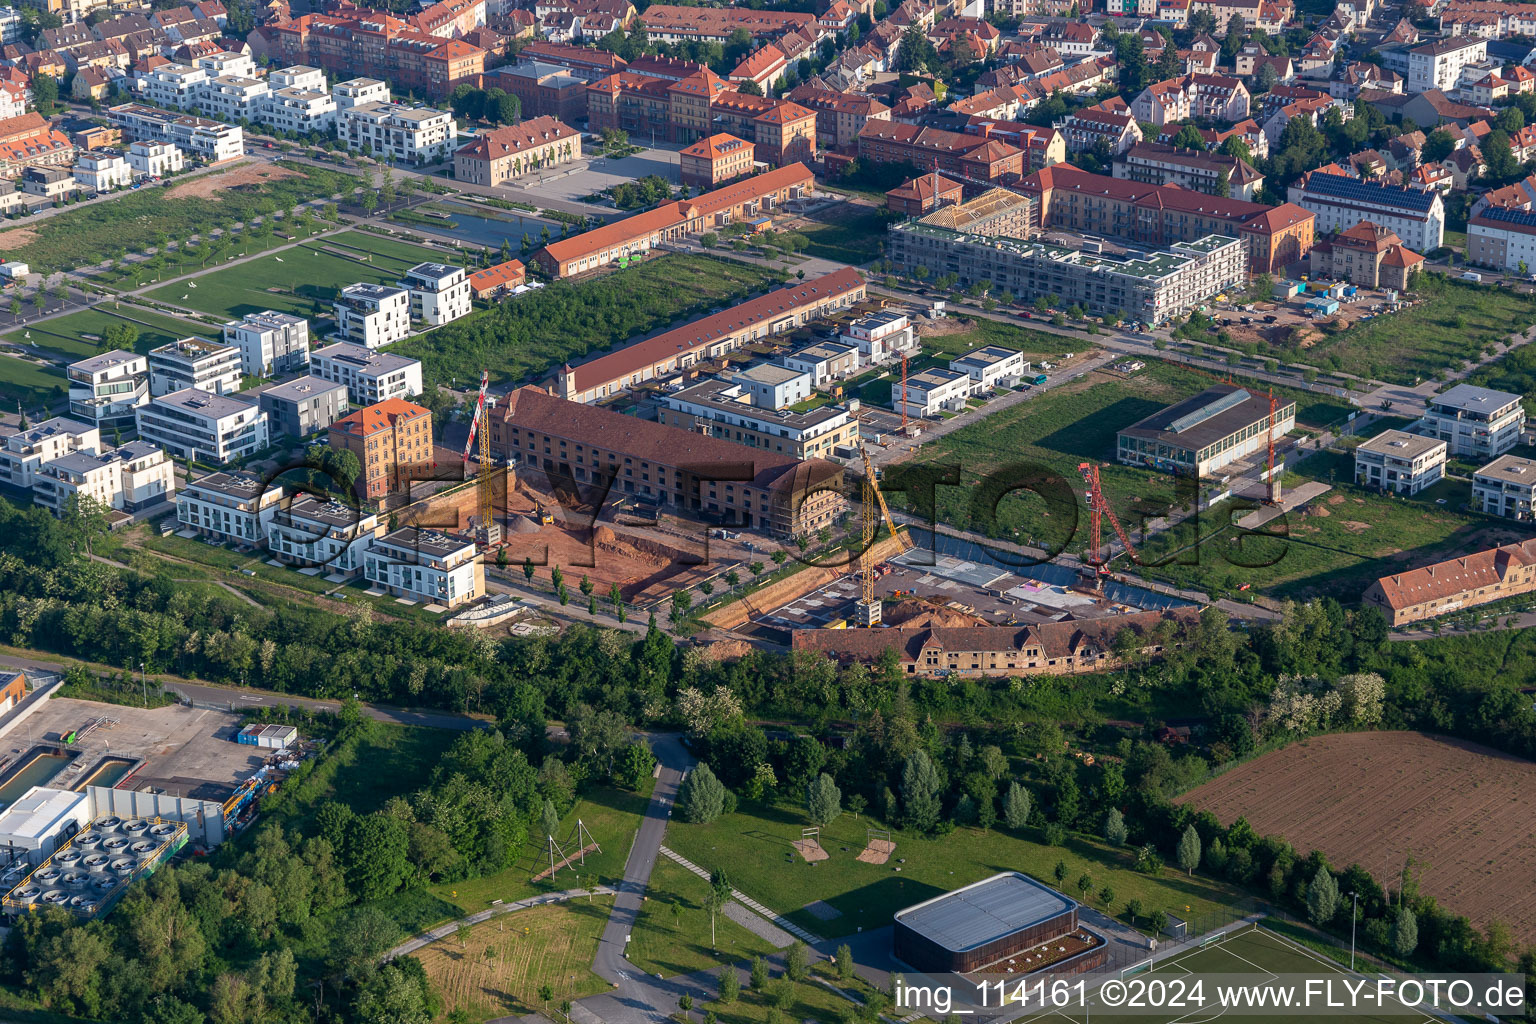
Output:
(1353, 914)
(143, 685)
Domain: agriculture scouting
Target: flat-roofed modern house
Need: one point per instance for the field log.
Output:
(931, 392)
(194, 363)
(426, 565)
(1506, 487)
(129, 479)
(993, 919)
(270, 343)
(1203, 433)
(199, 425)
(108, 389)
(1400, 462)
(439, 293)
(24, 453)
(725, 410)
(229, 506)
(303, 406)
(370, 377)
(328, 535)
(991, 366)
(373, 315)
(1473, 421)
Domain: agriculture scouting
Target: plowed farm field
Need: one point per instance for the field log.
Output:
(1374, 798)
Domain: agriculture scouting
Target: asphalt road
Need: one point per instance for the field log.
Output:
(236, 698)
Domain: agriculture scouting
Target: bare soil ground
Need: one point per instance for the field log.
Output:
(16, 238)
(208, 186)
(1375, 798)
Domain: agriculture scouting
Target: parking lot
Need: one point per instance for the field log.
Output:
(574, 182)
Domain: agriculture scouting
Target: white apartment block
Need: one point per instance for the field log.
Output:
(102, 170)
(228, 62)
(200, 137)
(231, 98)
(439, 568)
(991, 367)
(24, 453)
(358, 91)
(881, 336)
(1400, 462)
(1339, 202)
(1506, 487)
(131, 478)
(154, 159)
(369, 377)
(195, 424)
(173, 85)
(328, 535)
(931, 392)
(270, 343)
(194, 363)
(1438, 65)
(408, 134)
(299, 76)
(1474, 422)
(10, 25)
(373, 315)
(108, 389)
(302, 111)
(229, 506)
(439, 293)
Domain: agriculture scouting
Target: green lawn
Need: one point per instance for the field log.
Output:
(856, 239)
(612, 816)
(77, 335)
(1453, 324)
(303, 280)
(753, 845)
(134, 221)
(1338, 544)
(982, 331)
(28, 383)
(671, 935)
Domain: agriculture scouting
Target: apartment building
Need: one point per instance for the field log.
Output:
(198, 137)
(1068, 199)
(270, 343)
(1474, 422)
(304, 111)
(426, 565)
(359, 91)
(1503, 239)
(667, 23)
(233, 98)
(1438, 65)
(328, 535)
(108, 389)
(1192, 96)
(392, 440)
(720, 158)
(373, 315)
(173, 85)
(303, 406)
(202, 426)
(194, 363)
(1115, 126)
(773, 386)
(991, 366)
(1152, 286)
(154, 159)
(129, 479)
(1400, 462)
(759, 195)
(235, 506)
(778, 312)
(24, 453)
(686, 472)
(727, 410)
(439, 293)
(840, 116)
(931, 392)
(1506, 487)
(370, 377)
(502, 154)
(52, 183)
(102, 170)
(967, 156)
(1366, 254)
(1462, 582)
(373, 45)
(1153, 163)
(1205, 433)
(824, 361)
(544, 90)
(1339, 202)
(881, 337)
(415, 135)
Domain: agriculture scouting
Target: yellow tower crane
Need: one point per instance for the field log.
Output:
(868, 613)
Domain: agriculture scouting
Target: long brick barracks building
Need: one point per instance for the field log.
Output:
(712, 211)
(372, 45)
(683, 471)
(1159, 215)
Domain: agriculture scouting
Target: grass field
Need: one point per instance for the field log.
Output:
(74, 335)
(753, 846)
(855, 239)
(1337, 545)
(1256, 954)
(28, 383)
(498, 966)
(302, 280)
(671, 934)
(611, 815)
(1451, 325)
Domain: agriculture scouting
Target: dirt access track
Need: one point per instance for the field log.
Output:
(208, 186)
(1375, 798)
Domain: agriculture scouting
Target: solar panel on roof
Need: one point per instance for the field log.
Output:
(1525, 218)
(1340, 187)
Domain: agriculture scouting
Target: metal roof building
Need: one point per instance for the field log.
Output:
(1201, 434)
(982, 923)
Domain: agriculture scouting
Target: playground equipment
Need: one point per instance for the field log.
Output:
(580, 843)
(877, 846)
(809, 845)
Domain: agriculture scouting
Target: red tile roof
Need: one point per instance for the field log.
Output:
(1456, 576)
(503, 275)
(515, 138)
(380, 416)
